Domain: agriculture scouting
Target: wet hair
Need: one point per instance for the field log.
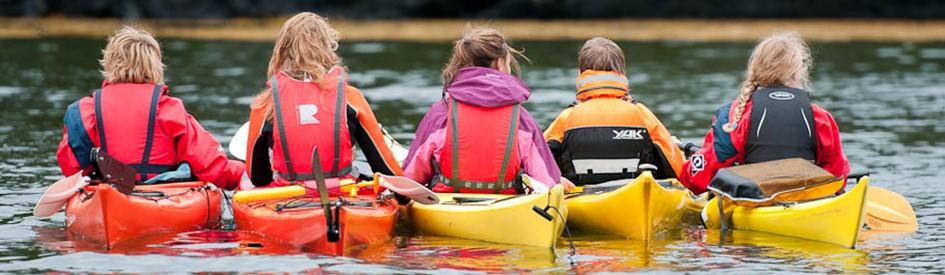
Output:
(480, 46)
(132, 56)
(601, 54)
(781, 59)
(305, 49)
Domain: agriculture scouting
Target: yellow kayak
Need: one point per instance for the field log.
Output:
(641, 209)
(836, 219)
(507, 219)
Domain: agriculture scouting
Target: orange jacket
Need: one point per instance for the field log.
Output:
(602, 101)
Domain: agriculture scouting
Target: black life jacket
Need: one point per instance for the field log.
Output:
(591, 155)
(782, 126)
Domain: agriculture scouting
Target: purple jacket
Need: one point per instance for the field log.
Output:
(485, 87)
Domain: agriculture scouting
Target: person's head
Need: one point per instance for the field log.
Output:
(132, 56)
(601, 54)
(481, 47)
(305, 47)
(781, 59)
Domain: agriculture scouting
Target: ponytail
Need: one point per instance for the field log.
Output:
(781, 59)
(481, 47)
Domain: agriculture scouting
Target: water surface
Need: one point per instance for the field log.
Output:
(888, 98)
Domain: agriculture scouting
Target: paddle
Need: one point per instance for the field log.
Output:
(408, 187)
(237, 146)
(889, 211)
(58, 194)
(334, 231)
(112, 171)
(400, 185)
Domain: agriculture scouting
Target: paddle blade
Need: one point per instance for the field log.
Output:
(889, 211)
(409, 188)
(58, 194)
(237, 144)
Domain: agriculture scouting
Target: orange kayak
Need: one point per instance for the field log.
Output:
(101, 214)
(300, 221)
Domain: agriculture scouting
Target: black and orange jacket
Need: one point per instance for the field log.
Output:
(362, 127)
(606, 134)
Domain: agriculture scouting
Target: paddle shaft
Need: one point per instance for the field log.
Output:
(333, 229)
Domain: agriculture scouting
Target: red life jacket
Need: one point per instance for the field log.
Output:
(480, 154)
(125, 117)
(310, 124)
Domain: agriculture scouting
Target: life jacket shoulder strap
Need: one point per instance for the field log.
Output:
(144, 167)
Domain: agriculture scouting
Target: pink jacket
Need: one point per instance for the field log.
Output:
(419, 166)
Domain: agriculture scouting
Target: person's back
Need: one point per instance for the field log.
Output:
(771, 119)
(308, 119)
(133, 119)
(606, 135)
(479, 138)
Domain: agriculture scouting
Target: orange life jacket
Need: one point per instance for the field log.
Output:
(480, 154)
(310, 123)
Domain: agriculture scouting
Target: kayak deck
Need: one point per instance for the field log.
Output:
(300, 222)
(641, 209)
(836, 219)
(506, 219)
(101, 214)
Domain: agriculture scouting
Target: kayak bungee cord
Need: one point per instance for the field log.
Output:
(543, 212)
(572, 250)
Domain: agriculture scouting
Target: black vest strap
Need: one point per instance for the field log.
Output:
(144, 167)
(782, 126)
(149, 141)
(454, 125)
(274, 83)
(339, 111)
(98, 121)
(509, 143)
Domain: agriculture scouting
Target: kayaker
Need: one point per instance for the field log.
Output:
(479, 138)
(308, 113)
(607, 133)
(772, 118)
(133, 119)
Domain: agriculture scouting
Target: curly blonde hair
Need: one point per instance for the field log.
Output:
(132, 56)
(305, 49)
(781, 59)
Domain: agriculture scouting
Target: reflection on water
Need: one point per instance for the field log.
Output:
(888, 98)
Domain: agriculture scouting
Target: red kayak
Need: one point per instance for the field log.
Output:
(101, 214)
(364, 219)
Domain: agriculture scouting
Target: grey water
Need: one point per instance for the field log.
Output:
(889, 99)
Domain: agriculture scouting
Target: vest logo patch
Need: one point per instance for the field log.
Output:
(696, 163)
(781, 95)
(307, 114)
(628, 134)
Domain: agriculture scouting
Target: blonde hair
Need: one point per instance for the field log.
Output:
(480, 46)
(132, 56)
(601, 54)
(781, 59)
(305, 49)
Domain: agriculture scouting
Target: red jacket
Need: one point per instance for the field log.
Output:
(721, 149)
(176, 136)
